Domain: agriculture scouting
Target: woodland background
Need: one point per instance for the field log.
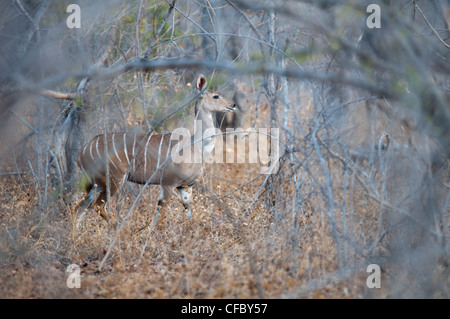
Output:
(364, 122)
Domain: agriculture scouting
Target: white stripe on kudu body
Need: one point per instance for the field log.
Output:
(125, 147)
(114, 146)
(90, 152)
(149, 160)
(145, 154)
(96, 147)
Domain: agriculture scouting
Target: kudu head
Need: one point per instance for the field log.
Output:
(211, 101)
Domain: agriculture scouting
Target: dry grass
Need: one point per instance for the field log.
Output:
(221, 253)
(250, 237)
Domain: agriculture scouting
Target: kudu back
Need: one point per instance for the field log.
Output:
(147, 158)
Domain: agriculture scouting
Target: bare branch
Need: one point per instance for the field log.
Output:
(249, 68)
(59, 95)
(431, 27)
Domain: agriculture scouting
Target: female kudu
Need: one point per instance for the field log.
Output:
(148, 158)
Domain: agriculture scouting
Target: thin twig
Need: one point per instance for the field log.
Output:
(431, 27)
(14, 173)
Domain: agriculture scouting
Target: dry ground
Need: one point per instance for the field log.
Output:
(221, 253)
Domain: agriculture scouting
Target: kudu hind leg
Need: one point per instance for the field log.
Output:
(86, 202)
(100, 203)
(98, 197)
(95, 198)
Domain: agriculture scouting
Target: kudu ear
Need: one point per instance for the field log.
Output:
(201, 83)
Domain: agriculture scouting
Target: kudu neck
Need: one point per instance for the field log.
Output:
(203, 126)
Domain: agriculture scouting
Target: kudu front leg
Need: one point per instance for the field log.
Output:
(186, 197)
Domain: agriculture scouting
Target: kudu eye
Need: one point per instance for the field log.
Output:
(216, 97)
